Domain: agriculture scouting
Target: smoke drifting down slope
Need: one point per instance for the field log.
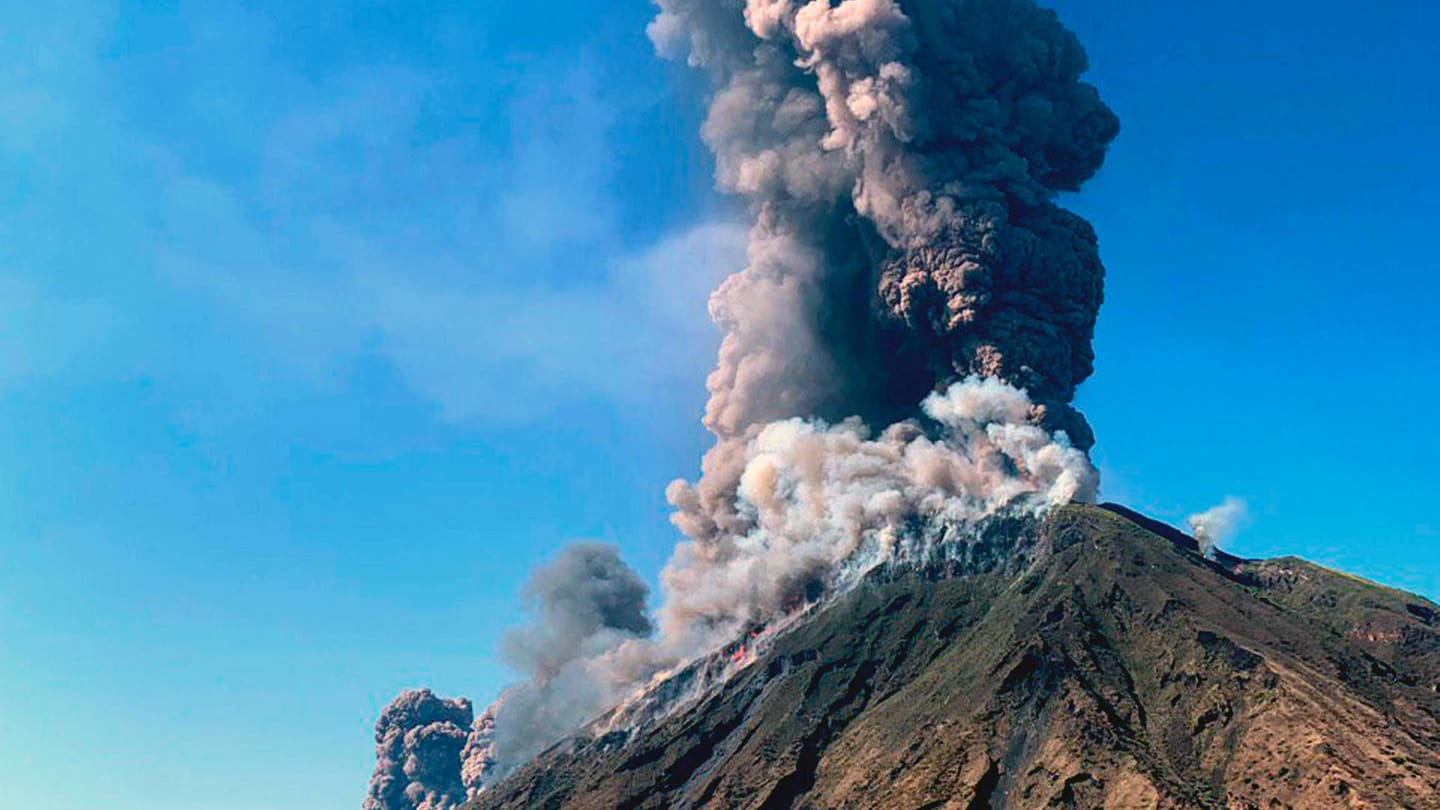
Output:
(899, 356)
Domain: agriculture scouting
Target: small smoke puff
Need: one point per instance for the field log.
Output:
(979, 401)
(1218, 524)
(418, 740)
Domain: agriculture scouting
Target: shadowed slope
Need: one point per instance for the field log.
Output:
(1121, 669)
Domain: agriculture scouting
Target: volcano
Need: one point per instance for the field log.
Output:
(1112, 664)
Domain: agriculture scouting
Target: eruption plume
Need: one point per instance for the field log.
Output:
(900, 354)
(901, 159)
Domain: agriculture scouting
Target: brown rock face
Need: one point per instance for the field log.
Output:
(1118, 670)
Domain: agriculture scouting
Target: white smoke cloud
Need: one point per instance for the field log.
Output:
(819, 505)
(1218, 524)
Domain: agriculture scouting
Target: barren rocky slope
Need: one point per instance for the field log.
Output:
(1121, 669)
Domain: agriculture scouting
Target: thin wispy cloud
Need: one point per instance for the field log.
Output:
(375, 212)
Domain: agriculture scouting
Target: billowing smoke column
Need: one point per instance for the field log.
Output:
(901, 158)
(900, 355)
(418, 740)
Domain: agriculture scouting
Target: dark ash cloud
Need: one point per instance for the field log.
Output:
(418, 740)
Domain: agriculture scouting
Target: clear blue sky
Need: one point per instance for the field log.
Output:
(321, 323)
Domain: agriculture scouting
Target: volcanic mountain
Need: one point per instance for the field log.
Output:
(1111, 665)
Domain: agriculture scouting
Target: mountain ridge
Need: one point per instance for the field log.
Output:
(1120, 668)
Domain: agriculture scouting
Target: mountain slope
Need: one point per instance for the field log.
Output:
(1120, 669)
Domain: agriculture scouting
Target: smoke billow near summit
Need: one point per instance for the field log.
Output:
(899, 360)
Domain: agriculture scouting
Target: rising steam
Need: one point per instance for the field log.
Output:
(900, 353)
(1218, 524)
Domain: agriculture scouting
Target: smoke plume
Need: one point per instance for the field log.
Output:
(1218, 524)
(418, 740)
(901, 159)
(900, 354)
(588, 606)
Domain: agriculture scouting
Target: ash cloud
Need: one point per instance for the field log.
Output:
(418, 740)
(900, 353)
(1218, 524)
(584, 600)
(589, 611)
(902, 159)
(587, 606)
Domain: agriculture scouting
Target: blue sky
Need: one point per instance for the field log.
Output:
(321, 323)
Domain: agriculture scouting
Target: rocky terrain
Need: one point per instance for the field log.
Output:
(1118, 668)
